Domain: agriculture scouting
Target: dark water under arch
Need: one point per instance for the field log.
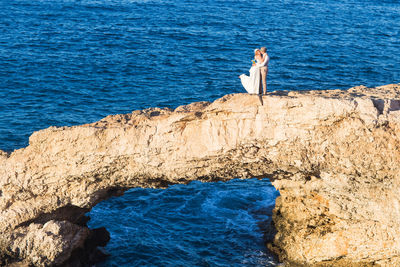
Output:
(199, 224)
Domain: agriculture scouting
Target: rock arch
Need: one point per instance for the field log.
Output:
(333, 155)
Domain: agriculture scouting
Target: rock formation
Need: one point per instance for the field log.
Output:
(333, 155)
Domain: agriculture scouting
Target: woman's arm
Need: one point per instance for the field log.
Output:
(259, 62)
(254, 61)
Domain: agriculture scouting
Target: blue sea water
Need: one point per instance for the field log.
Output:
(200, 224)
(69, 62)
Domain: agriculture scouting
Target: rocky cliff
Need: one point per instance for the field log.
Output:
(333, 155)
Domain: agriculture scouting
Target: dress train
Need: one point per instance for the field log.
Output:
(252, 83)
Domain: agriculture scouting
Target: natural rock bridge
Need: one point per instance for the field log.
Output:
(333, 155)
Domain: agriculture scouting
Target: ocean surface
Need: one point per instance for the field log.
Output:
(69, 62)
(199, 224)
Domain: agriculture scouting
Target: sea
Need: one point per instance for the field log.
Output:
(70, 62)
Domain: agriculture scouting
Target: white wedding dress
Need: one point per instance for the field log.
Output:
(252, 83)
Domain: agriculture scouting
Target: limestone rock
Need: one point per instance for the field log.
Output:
(45, 244)
(333, 155)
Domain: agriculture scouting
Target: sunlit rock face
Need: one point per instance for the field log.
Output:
(333, 155)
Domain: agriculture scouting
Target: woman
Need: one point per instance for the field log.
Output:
(252, 83)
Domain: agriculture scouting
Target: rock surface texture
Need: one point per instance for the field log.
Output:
(333, 155)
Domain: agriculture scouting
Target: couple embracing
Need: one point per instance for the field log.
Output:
(258, 73)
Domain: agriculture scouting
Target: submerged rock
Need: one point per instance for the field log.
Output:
(333, 155)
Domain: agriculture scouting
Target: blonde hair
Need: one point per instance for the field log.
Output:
(263, 49)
